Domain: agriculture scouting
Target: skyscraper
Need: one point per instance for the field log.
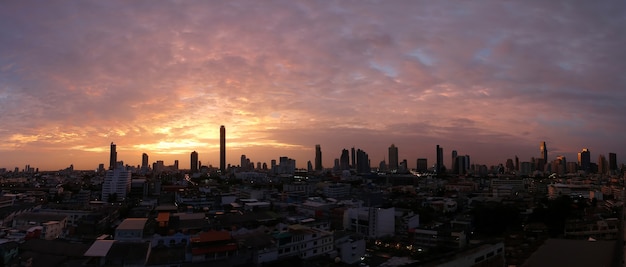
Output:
(602, 165)
(453, 162)
(612, 162)
(344, 160)
(194, 162)
(222, 148)
(584, 160)
(544, 152)
(144, 161)
(422, 165)
(439, 166)
(113, 157)
(116, 184)
(393, 157)
(318, 158)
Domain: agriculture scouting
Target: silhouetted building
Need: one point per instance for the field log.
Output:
(393, 157)
(584, 160)
(602, 165)
(353, 165)
(362, 162)
(612, 162)
(194, 162)
(439, 164)
(318, 158)
(544, 155)
(344, 160)
(422, 165)
(113, 157)
(144, 162)
(222, 148)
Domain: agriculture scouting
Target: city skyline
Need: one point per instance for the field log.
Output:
(490, 80)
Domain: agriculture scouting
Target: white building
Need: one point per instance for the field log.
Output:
(337, 191)
(116, 182)
(298, 240)
(371, 222)
(349, 248)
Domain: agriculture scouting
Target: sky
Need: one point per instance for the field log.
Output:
(491, 79)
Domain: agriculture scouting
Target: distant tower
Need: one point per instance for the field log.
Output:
(439, 166)
(584, 160)
(318, 158)
(113, 157)
(194, 162)
(544, 152)
(344, 160)
(612, 162)
(393, 157)
(602, 165)
(222, 148)
(453, 163)
(144, 161)
(516, 163)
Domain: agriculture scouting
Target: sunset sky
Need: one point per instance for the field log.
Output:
(491, 79)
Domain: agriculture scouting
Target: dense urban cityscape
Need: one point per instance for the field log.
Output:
(353, 214)
(312, 133)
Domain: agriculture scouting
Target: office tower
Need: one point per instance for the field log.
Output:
(543, 159)
(318, 158)
(113, 157)
(510, 166)
(602, 165)
(612, 162)
(393, 157)
(144, 161)
(222, 148)
(344, 160)
(353, 165)
(194, 162)
(459, 165)
(244, 163)
(309, 166)
(516, 163)
(116, 185)
(439, 166)
(559, 165)
(422, 165)
(176, 165)
(362, 162)
(584, 160)
(453, 162)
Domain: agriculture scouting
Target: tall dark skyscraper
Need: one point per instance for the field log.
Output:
(344, 160)
(144, 161)
(439, 166)
(393, 157)
(194, 162)
(362, 162)
(453, 162)
(113, 157)
(584, 160)
(318, 158)
(612, 162)
(422, 165)
(222, 148)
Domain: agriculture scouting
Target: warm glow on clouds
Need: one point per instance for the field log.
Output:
(490, 79)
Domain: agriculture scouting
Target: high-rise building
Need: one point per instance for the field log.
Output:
(116, 183)
(543, 157)
(422, 165)
(344, 160)
(612, 162)
(318, 158)
(584, 160)
(194, 162)
(113, 157)
(144, 161)
(222, 148)
(362, 162)
(453, 162)
(393, 157)
(439, 166)
(602, 165)
(516, 164)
